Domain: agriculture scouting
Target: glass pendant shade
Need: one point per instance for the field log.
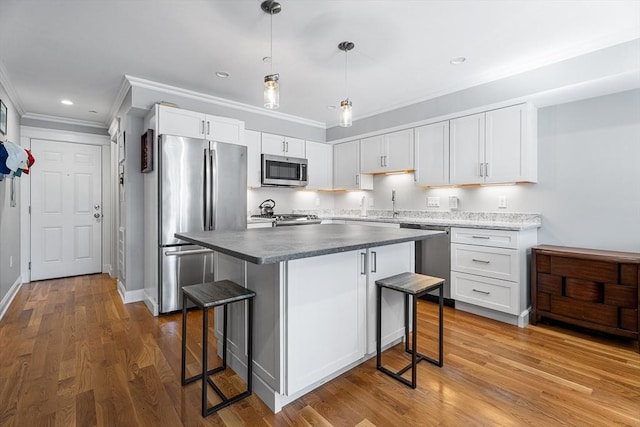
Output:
(271, 91)
(345, 113)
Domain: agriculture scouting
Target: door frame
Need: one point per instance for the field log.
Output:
(27, 133)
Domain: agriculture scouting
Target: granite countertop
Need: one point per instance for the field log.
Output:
(271, 245)
(487, 220)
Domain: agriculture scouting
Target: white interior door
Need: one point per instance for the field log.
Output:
(66, 209)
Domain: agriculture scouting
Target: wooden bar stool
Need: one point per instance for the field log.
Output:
(206, 296)
(411, 285)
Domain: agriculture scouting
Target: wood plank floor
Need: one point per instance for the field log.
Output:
(72, 354)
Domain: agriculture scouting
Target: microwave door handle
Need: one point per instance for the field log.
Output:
(206, 193)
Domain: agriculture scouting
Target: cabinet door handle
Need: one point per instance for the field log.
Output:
(481, 292)
(357, 179)
(481, 261)
(480, 237)
(208, 127)
(481, 169)
(202, 128)
(381, 164)
(287, 145)
(283, 149)
(385, 161)
(362, 261)
(374, 261)
(486, 169)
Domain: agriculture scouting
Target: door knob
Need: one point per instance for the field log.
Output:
(96, 215)
(96, 207)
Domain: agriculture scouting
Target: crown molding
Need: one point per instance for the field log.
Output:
(198, 96)
(55, 119)
(117, 102)
(11, 91)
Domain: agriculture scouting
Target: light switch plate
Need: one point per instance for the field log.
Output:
(433, 202)
(502, 202)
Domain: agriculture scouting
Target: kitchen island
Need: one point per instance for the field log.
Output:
(315, 299)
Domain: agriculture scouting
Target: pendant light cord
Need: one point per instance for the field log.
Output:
(271, 44)
(346, 67)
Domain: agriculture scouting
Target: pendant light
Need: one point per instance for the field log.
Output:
(346, 118)
(271, 80)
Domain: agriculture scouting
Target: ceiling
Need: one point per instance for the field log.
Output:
(81, 50)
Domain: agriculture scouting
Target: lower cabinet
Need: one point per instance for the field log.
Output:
(489, 272)
(314, 317)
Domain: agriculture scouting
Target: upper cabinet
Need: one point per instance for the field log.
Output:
(498, 146)
(176, 121)
(282, 146)
(388, 152)
(252, 140)
(346, 168)
(320, 167)
(432, 154)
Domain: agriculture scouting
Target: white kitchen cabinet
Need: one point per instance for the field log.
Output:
(386, 153)
(282, 146)
(320, 167)
(467, 149)
(386, 261)
(346, 168)
(510, 145)
(176, 121)
(489, 272)
(498, 146)
(432, 154)
(252, 140)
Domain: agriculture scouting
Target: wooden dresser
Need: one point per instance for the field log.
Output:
(590, 288)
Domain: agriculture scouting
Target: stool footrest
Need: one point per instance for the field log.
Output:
(199, 376)
(226, 402)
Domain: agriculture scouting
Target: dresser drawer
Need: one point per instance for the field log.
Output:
(486, 292)
(484, 237)
(498, 263)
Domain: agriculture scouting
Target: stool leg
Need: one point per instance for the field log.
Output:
(378, 327)
(250, 346)
(414, 344)
(183, 367)
(205, 372)
(224, 336)
(441, 326)
(406, 323)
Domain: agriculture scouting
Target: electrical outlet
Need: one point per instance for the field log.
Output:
(370, 202)
(433, 202)
(317, 201)
(502, 202)
(453, 202)
(10, 260)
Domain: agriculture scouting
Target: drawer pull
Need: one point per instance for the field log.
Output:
(481, 261)
(480, 237)
(481, 292)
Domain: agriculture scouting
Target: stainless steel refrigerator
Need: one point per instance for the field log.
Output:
(202, 185)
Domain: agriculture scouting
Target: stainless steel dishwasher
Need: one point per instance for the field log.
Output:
(433, 256)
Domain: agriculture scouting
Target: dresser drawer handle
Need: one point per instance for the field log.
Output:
(481, 292)
(481, 261)
(481, 237)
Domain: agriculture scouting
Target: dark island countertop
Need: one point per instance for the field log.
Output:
(271, 245)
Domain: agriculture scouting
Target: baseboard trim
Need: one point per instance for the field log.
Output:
(8, 298)
(106, 268)
(130, 296)
(151, 304)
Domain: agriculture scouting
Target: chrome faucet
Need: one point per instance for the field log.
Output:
(393, 202)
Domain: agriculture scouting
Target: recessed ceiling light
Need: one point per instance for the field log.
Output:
(222, 74)
(331, 107)
(93, 111)
(457, 61)
(66, 102)
(266, 59)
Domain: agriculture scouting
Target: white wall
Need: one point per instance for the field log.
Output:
(9, 216)
(588, 189)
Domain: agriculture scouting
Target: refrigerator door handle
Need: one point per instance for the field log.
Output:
(213, 176)
(193, 252)
(207, 192)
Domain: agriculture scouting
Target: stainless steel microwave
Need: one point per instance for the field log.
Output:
(284, 171)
